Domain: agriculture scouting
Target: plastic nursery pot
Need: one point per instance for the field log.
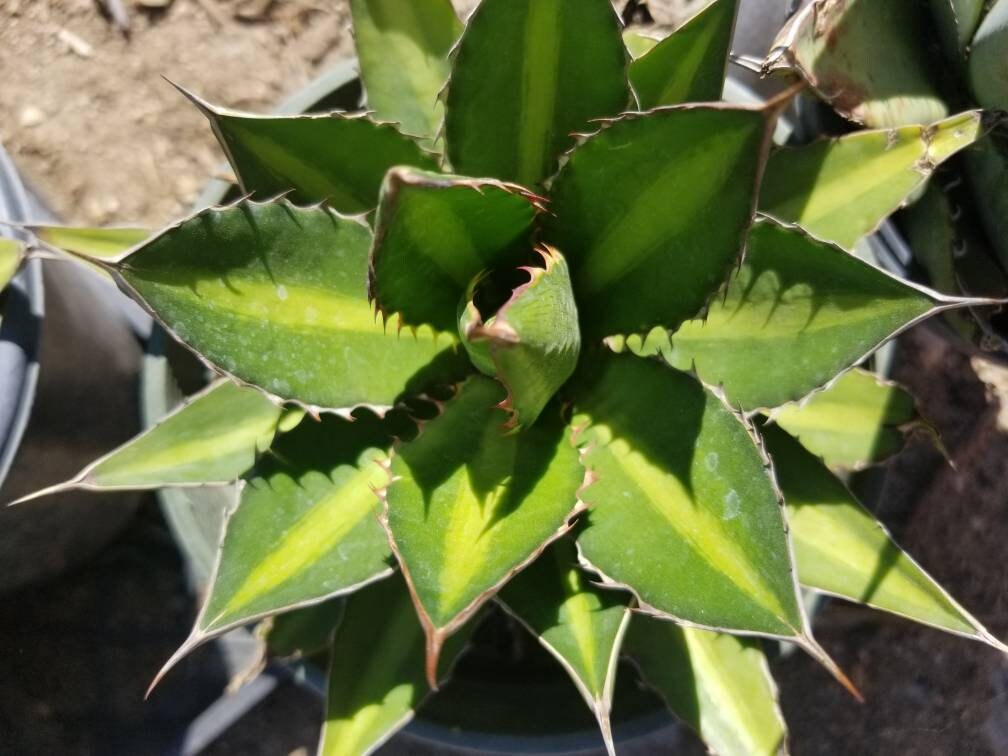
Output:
(80, 362)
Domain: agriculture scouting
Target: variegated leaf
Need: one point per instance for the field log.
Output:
(469, 506)
(275, 296)
(689, 64)
(526, 75)
(841, 189)
(858, 421)
(210, 439)
(333, 158)
(578, 623)
(718, 684)
(797, 313)
(306, 528)
(376, 672)
(435, 233)
(403, 46)
(842, 550)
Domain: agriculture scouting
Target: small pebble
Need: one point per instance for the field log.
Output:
(31, 116)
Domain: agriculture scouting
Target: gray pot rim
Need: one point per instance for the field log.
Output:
(21, 328)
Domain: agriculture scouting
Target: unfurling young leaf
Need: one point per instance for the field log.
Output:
(532, 341)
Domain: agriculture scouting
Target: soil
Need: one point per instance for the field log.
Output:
(98, 132)
(103, 138)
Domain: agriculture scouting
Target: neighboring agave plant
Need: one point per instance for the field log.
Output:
(584, 395)
(958, 227)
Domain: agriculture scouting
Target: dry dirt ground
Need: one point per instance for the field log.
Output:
(95, 129)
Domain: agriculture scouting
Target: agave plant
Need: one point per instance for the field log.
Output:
(956, 227)
(590, 374)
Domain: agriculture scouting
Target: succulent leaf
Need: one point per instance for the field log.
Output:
(275, 296)
(306, 527)
(302, 632)
(526, 75)
(956, 21)
(987, 170)
(988, 59)
(533, 340)
(718, 684)
(634, 260)
(434, 234)
(689, 64)
(94, 242)
(402, 47)
(841, 189)
(858, 421)
(842, 550)
(684, 511)
(333, 158)
(11, 255)
(469, 506)
(798, 312)
(868, 59)
(376, 672)
(579, 624)
(210, 439)
(638, 43)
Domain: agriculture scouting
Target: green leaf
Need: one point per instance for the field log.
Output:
(533, 339)
(688, 65)
(988, 61)
(94, 242)
(717, 684)
(210, 439)
(302, 632)
(275, 295)
(402, 47)
(11, 254)
(684, 511)
(868, 59)
(956, 21)
(797, 313)
(638, 43)
(306, 527)
(470, 506)
(376, 673)
(333, 158)
(987, 170)
(579, 624)
(635, 263)
(526, 75)
(434, 234)
(842, 550)
(858, 421)
(841, 189)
